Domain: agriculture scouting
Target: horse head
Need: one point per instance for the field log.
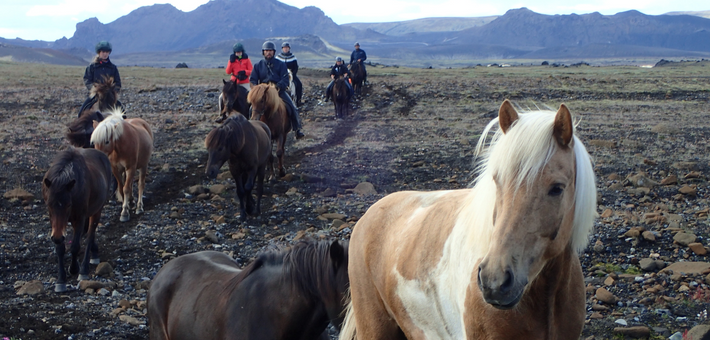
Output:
(334, 298)
(543, 183)
(108, 131)
(229, 95)
(59, 186)
(105, 93)
(80, 130)
(264, 99)
(222, 141)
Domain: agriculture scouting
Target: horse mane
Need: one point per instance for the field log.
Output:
(65, 166)
(77, 128)
(302, 264)
(103, 87)
(517, 157)
(110, 129)
(268, 93)
(230, 134)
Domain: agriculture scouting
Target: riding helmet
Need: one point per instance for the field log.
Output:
(268, 45)
(337, 59)
(357, 44)
(285, 44)
(103, 46)
(238, 47)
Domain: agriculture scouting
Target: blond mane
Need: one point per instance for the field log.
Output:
(264, 97)
(110, 129)
(518, 157)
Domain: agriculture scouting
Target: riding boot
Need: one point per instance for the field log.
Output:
(295, 119)
(329, 90)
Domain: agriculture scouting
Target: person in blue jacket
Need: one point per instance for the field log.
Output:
(273, 70)
(359, 56)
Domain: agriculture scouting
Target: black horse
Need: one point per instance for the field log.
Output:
(291, 294)
(341, 97)
(233, 98)
(80, 129)
(358, 77)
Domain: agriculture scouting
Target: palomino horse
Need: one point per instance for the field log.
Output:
(281, 295)
(80, 129)
(341, 97)
(497, 261)
(267, 107)
(104, 94)
(233, 98)
(247, 146)
(358, 77)
(75, 189)
(128, 144)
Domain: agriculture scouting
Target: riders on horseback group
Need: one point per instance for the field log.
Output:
(274, 70)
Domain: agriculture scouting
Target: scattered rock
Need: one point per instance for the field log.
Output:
(211, 236)
(365, 188)
(18, 193)
(636, 332)
(647, 264)
(218, 189)
(689, 268)
(104, 269)
(131, 320)
(684, 239)
(33, 287)
(670, 180)
(87, 284)
(697, 248)
(699, 332)
(605, 296)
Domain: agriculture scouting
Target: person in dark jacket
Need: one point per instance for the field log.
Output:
(101, 66)
(273, 70)
(339, 69)
(292, 64)
(359, 56)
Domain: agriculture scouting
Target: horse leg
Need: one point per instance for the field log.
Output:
(127, 195)
(118, 172)
(61, 285)
(259, 188)
(241, 196)
(280, 154)
(246, 177)
(79, 226)
(90, 241)
(141, 188)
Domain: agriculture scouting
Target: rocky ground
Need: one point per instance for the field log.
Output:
(646, 268)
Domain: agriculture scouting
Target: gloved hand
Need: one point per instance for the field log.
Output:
(241, 75)
(232, 58)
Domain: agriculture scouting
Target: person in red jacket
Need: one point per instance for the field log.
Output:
(239, 66)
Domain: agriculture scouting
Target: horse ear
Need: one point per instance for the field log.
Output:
(70, 185)
(563, 128)
(337, 253)
(224, 81)
(507, 115)
(99, 116)
(47, 182)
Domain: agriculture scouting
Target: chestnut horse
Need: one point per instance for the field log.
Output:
(232, 99)
(128, 144)
(246, 144)
(281, 295)
(496, 261)
(75, 189)
(267, 107)
(341, 97)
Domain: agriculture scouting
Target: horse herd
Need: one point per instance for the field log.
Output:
(496, 261)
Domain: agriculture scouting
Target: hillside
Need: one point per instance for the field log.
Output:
(424, 25)
(38, 55)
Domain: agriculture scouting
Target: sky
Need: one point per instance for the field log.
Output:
(50, 20)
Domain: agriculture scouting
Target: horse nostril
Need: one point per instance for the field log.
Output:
(508, 282)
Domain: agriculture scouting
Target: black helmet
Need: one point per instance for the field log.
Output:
(337, 59)
(268, 45)
(103, 46)
(238, 47)
(285, 44)
(357, 44)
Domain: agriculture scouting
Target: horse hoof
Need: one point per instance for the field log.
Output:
(83, 277)
(60, 287)
(95, 261)
(125, 218)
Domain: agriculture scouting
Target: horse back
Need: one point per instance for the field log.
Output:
(187, 297)
(98, 178)
(143, 139)
(263, 140)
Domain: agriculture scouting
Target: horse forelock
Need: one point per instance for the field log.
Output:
(103, 87)
(110, 129)
(229, 134)
(518, 157)
(68, 165)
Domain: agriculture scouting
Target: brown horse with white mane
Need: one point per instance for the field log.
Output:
(267, 107)
(128, 144)
(497, 261)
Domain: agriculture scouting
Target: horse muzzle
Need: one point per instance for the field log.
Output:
(500, 289)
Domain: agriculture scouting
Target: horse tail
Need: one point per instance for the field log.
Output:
(348, 330)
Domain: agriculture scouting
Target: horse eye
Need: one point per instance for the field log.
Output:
(107, 142)
(556, 190)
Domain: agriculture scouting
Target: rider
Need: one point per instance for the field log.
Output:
(101, 66)
(273, 70)
(360, 56)
(239, 66)
(292, 64)
(339, 69)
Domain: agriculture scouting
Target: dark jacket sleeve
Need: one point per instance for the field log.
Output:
(284, 81)
(352, 57)
(255, 74)
(294, 68)
(117, 79)
(363, 55)
(89, 77)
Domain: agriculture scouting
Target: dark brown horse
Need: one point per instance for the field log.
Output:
(358, 77)
(341, 97)
(267, 107)
(246, 144)
(75, 189)
(104, 94)
(281, 295)
(80, 129)
(232, 99)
